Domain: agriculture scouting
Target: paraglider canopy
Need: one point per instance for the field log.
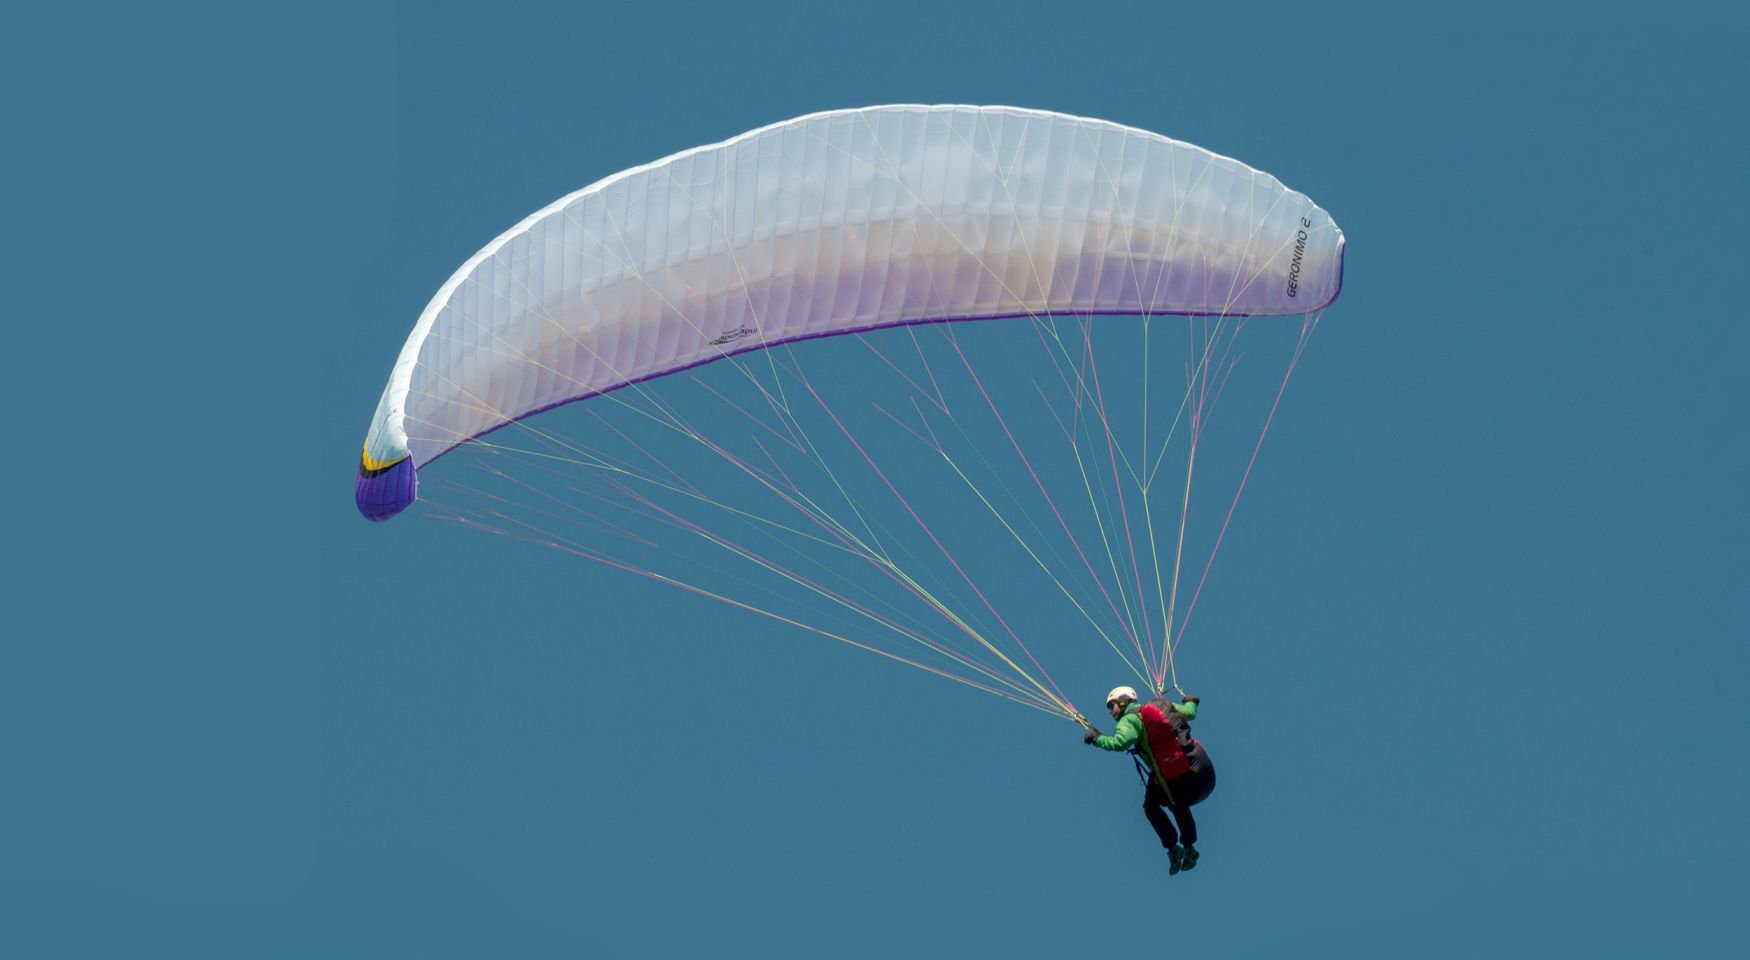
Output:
(829, 224)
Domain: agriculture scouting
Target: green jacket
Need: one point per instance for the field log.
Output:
(1127, 735)
(1129, 729)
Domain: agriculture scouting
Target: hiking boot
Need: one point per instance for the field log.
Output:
(1188, 859)
(1175, 859)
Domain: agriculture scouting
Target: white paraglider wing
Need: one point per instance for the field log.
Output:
(836, 223)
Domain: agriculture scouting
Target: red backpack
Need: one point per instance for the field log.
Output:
(1162, 741)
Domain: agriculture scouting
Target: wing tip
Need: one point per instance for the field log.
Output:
(1337, 286)
(382, 492)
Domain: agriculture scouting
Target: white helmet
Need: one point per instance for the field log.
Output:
(1121, 693)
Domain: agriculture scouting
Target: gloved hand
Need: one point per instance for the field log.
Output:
(1092, 733)
(1187, 698)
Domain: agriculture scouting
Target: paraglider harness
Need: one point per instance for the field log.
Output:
(1164, 743)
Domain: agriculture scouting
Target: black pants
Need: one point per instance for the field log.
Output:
(1156, 806)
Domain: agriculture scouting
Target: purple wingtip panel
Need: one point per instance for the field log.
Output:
(382, 494)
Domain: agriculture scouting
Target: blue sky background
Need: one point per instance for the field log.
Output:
(1471, 660)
